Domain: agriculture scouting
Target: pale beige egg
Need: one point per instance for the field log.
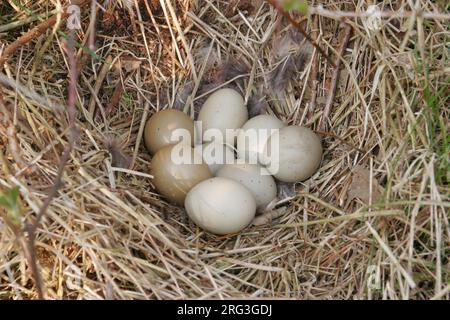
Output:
(293, 154)
(220, 206)
(255, 178)
(216, 155)
(224, 109)
(254, 134)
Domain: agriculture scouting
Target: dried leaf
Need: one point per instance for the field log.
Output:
(360, 186)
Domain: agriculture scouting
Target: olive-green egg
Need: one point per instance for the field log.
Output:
(174, 180)
(160, 126)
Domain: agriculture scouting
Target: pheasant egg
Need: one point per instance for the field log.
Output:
(216, 155)
(220, 206)
(173, 179)
(298, 154)
(254, 134)
(159, 128)
(224, 109)
(255, 178)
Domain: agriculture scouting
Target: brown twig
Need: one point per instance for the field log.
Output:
(294, 23)
(28, 244)
(30, 228)
(335, 77)
(20, 239)
(314, 67)
(92, 23)
(73, 134)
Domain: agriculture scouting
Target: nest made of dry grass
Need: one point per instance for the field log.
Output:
(109, 235)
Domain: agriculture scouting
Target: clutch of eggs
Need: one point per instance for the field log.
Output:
(219, 196)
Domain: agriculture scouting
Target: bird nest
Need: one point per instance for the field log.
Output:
(372, 223)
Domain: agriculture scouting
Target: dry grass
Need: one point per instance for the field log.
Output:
(109, 235)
